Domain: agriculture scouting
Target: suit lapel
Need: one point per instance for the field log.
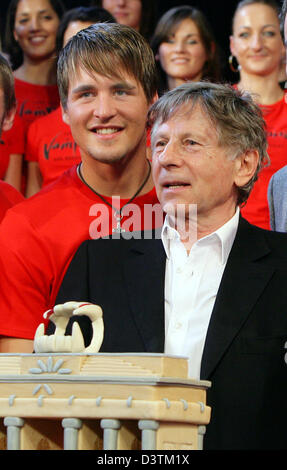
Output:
(243, 281)
(144, 273)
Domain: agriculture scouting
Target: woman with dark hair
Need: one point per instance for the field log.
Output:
(185, 48)
(139, 14)
(30, 42)
(257, 51)
(79, 18)
(50, 148)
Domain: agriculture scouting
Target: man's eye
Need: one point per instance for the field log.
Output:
(190, 142)
(121, 92)
(160, 143)
(86, 93)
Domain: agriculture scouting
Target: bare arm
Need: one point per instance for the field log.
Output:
(15, 345)
(14, 171)
(34, 179)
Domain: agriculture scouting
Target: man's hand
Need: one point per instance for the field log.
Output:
(60, 316)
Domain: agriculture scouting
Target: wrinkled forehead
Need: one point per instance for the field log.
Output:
(179, 114)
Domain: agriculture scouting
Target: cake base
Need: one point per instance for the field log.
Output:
(100, 401)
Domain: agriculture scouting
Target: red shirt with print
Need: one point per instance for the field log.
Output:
(51, 144)
(34, 101)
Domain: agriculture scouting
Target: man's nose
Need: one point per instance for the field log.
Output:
(104, 107)
(170, 155)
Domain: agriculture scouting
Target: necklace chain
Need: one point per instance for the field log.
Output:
(118, 212)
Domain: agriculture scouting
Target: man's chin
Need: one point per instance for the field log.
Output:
(109, 160)
(180, 211)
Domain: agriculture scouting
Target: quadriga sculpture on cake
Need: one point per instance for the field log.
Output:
(60, 316)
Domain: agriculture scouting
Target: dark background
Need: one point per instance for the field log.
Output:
(218, 12)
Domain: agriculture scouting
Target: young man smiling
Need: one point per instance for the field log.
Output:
(107, 81)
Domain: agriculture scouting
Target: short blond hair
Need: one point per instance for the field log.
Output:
(108, 49)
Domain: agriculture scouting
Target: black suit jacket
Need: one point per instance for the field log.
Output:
(245, 347)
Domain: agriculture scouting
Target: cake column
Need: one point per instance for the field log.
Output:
(110, 427)
(148, 428)
(201, 432)
(71, 429)
(14, 426)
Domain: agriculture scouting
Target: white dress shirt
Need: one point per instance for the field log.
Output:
(191, 284)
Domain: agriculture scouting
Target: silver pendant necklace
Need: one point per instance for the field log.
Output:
(118, 212)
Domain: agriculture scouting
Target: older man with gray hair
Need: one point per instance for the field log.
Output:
(211, 286)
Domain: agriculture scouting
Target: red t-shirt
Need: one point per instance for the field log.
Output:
(38, 239)
(51, 144)
(34, 101)
(12, 142)
(256, 210)
(9, 196)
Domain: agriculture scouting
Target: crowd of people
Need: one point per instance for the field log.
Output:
(40, 147)
(114, 124)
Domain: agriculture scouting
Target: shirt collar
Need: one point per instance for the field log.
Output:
(225, 235)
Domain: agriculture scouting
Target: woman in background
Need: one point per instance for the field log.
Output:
(139, 14)
(257, 53)
(30, 42)
(185, 48)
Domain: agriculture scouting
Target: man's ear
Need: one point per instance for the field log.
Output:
(245, 167)
(65, 115)
(154, 99)
(8, 119)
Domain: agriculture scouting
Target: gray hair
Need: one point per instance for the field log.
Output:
(237, 119)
